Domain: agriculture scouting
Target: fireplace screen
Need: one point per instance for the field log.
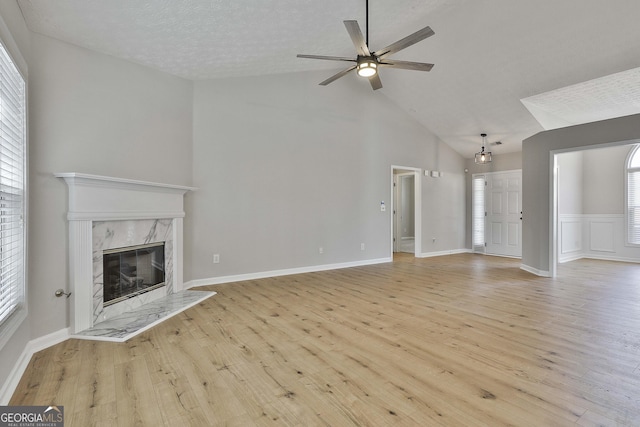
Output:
(132, 271)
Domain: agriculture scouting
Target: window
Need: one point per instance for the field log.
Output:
(633, 197)
(12, 187)
(478, 212)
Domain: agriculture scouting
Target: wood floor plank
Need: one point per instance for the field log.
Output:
(462, 340)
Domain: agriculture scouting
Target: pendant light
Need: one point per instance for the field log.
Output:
(483, 157)
(367, 65)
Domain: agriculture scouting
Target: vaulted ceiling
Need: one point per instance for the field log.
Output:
(489, 54)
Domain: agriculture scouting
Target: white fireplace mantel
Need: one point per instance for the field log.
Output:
(102, 198)
(105, 198)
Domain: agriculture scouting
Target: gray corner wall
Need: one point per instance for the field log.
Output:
(285, 166)
(537, 153)
(95, 114)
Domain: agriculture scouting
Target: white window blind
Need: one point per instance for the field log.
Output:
(12, 185)
(633, 198)
(478, 211)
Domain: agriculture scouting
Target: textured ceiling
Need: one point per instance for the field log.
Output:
(489, 54)
(615, 95)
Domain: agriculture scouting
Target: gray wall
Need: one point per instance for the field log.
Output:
(95, 114)
(604, 180)
(570, 183)
(11, 351)
(592, 181)
(285, 166)
(536, 172)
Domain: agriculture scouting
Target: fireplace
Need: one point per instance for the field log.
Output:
(132, 271)
(108, 213)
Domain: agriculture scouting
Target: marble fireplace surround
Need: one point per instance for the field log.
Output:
(106, 212)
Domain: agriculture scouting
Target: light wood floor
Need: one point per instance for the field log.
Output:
(461, 340)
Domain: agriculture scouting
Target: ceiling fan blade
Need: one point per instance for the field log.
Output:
(375, 81)
(328, 58)
(406, 65)
(405, 42)
(337, 76)
(357, 38)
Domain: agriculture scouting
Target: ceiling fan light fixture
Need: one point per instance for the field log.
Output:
(483, 157)
(367, 67)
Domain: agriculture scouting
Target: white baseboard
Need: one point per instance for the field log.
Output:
(602, 258)
(572, 256)
(285, 272)
(541, 273)
(30, 349)
(442, 253)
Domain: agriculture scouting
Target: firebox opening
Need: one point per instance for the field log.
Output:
(132, 271)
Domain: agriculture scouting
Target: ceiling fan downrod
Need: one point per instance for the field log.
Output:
(367, 20)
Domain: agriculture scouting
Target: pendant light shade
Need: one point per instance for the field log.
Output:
(483, 157)
(367, 67)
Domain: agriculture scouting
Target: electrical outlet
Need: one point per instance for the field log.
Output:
(362, 246)
(321, 250)
(216, 258)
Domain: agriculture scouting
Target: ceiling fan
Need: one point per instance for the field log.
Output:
(367, 62)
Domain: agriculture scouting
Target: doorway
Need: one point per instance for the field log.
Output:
(406, 210)
(590, 204)
(497, 213)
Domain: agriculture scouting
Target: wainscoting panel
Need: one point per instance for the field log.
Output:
(603, 236)
(570, 238)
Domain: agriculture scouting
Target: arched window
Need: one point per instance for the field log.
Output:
(633, 196)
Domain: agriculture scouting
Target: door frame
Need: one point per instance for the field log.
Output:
(398, 211)
(486, 175)
(417, 200)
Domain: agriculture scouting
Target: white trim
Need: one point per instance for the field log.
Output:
(442, 253)
(611, 258)
(499, 255)
(417, 201)
(121, 216)
(553, 216)
(113, 182)
(12, 323)
(573, 256)
(286, 272)
(476, 248)
(541, 273)
(634, 150)
(12, 49)
(32, 347)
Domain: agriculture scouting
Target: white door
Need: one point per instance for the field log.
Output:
(503, 227)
